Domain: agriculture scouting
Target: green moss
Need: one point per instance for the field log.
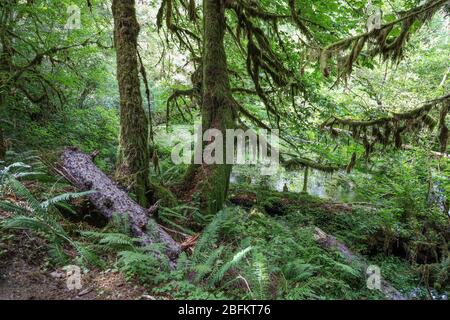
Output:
(133, 157)
(2, 146)
(160, 193)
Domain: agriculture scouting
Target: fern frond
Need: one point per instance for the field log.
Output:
(27, 223)
(87, 255)
(9, 168)
(114, 241)
(210, 234)
(172, 212)
(203, 269)
(65, 197)
(140, 264)
(57, 253)
(344, 268)
(261, 274)
(27, 174)
(218, 276)
(66, 207)
(298, 270)
(11, 207)
(22, 192)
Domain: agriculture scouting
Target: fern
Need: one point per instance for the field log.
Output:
(120, 223)
(22, 192)
(41, 222)
(183, 264)
(219, 275)
(182, 214)
(203, 269)
(210, 234)
(25, 222)
(261, 274)
(298, 270)
(138, 264)
(66, 207)
(11, 207)
(87, 255)
(57, 254)
(114, 242)
(8, 169)
(65, 197)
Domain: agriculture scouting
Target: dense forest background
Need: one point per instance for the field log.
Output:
(92, 98)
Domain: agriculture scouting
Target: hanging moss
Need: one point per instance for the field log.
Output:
(169, 14)
(191, 10)
(352, 163)
(305, 180)
(398, 139)
(391, 129)
(302, 163)
(384, 44)
(160, 14)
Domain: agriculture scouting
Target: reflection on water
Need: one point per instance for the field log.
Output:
(320, 184)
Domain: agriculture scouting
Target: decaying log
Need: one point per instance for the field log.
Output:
(330, 242)
(78, 168)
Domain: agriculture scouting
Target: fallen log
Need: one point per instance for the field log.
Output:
(78, 168)
(331, 243)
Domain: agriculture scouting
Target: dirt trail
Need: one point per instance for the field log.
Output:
(23, 276)
(23, 281)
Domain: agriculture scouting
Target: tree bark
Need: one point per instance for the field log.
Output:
(305, 180)
(2, 145)
(133, 160)
(78, 168)
(211, 182)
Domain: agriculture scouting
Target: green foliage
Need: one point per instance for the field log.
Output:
(220, 274)
(261, 276)
(64, 197)
(58, 88)
(110, 241)
(90, 129)
(41, 219)
(210, 235)
(143, 265)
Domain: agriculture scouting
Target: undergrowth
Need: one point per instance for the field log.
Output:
(242, 253)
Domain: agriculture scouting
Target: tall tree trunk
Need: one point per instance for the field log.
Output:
(210, 182)
(2, 145)
(133, 160)
(305, 180)
(5, 74)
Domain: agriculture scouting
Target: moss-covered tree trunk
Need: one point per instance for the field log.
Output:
(133, 160)
(5, 74)
(209, 183)
(305, 180)
(2, 145)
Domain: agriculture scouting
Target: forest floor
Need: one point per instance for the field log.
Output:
(24, 275)
(278, 222)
